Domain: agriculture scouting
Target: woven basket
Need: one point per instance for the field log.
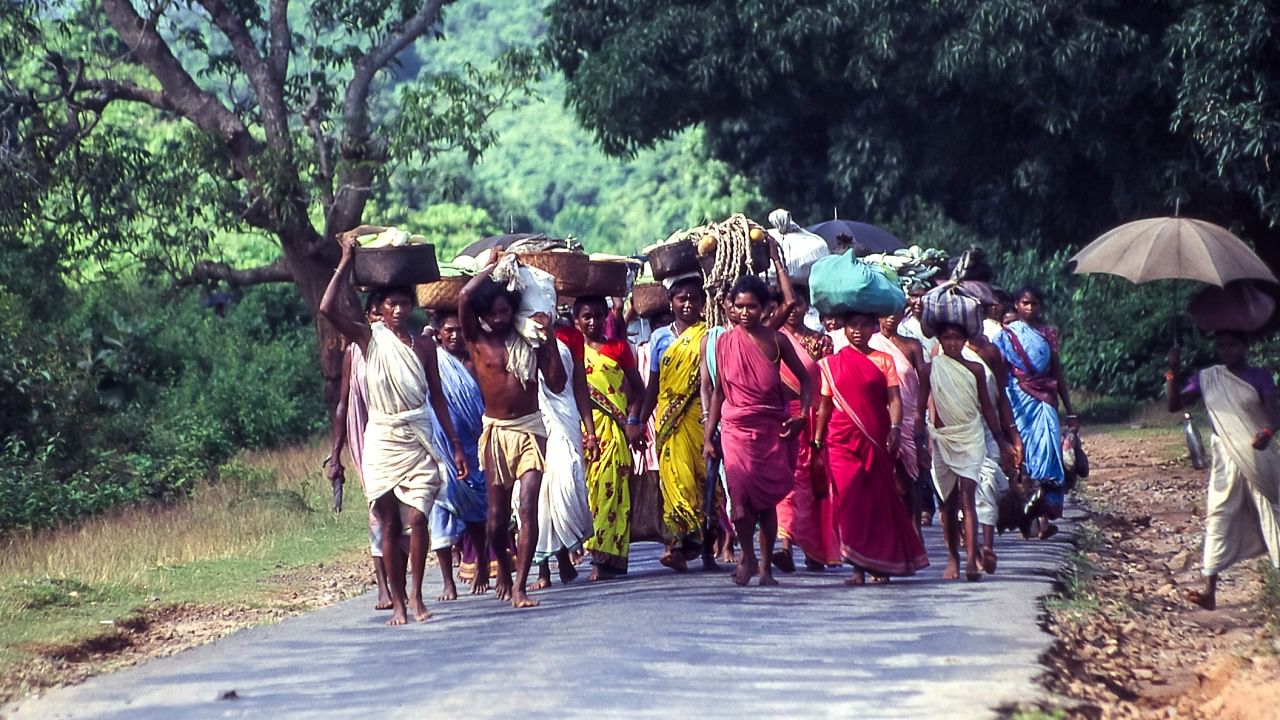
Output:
(649, 299)
(392, 266)
(568, 268)
(672, 259)
(605, 278)
(442, 294)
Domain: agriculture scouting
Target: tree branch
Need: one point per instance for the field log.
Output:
(205, 272)
(262, 77)
(281, 41)
(198, 106)
(357, 171)
(311, 116)
(109, 90)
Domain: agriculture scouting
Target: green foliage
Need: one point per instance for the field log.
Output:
(1031, 122)
(166, 391)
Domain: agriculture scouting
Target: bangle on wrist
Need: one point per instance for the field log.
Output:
(1170, 376)
(1268, 432)
(634, 420)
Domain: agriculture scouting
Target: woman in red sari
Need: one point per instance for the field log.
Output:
(861, 437)
(804, 515)
(756, 433)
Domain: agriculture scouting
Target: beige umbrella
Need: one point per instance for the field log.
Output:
(1172, 248)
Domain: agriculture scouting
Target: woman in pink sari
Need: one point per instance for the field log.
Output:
(756, 434)
(804, 515)
(876, 531)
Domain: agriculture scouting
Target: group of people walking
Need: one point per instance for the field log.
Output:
(506, 435)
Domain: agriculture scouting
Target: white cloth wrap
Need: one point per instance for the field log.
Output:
(992, 482)
(564, 513)
(398, 456)
(960, 446)
(1242, 518)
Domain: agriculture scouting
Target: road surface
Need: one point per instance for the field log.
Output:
(655, 645)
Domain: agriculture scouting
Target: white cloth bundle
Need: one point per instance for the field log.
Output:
(537, 297)
(800, 248)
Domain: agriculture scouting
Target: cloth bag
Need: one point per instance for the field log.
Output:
(840, 284)
(950, 304)
(646, 508)
(800, 248)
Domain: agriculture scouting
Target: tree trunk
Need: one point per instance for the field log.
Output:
(311, 274)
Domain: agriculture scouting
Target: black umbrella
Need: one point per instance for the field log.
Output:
(840, 234)
(496, 242)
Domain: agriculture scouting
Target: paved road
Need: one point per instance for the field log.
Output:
(653, 646)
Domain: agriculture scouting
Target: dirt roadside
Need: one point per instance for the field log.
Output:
(1129, 645)
(165, 629)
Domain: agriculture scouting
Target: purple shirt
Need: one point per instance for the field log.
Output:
(1260, 379)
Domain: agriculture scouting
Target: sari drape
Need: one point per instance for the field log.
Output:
(758, 464)
(460, 501)
(909, 389)
(1033, 398)
(1242, 518)
(802, 518)
(679, 433)
(875, 528)
(564, 513)
(609, 477)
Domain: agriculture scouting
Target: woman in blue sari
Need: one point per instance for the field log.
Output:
(462, 506)
(1035, 386)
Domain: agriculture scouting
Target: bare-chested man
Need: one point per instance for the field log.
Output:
(401, 470)
(513, 444)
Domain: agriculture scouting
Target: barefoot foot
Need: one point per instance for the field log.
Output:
(989, 561)
(398, 616)
(479, 586)
(971, 571)
(1049, 531)
(540, 584)
(766, 578)
(742, 575)
(420, 611)
(450, 593)
(952, 571)
(709, 563)
(519, 600)
(384, 603)
(675, 561)
(502, 589)
(568, 573)
(1206, 600)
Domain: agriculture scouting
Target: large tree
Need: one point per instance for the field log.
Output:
(288, 115)
(1032, 121)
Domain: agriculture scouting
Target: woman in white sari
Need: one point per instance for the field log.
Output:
(1242, 518)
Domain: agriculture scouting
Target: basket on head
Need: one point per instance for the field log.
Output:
(673, 258)
(391, 266)
(442, 294)
(605, 278)
(649, 299)
(567, 267)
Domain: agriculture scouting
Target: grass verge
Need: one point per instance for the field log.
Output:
(234, 542)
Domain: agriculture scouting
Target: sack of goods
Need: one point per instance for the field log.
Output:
(800, 248)
(841, 284)
(951, 304)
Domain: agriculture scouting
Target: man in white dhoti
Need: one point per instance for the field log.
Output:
(1243, 515)
(954, 394)
(564, 512)
(402, 472)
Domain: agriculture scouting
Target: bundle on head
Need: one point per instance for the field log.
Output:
(731, 241)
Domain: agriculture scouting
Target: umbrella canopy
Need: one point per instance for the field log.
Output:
(496, 241)
(1172, 248)
(1241, 306)
(862, 235)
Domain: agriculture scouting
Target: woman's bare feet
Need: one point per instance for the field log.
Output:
(502, 587)
(540, 584)
(420, 611)
(1048, 531)
(398, 616)
(600, 573)
(1205, 599)
(859, 577)
(742, 574)
(879, 579)
(952, 571)
(480, 584)
(971, 571)
(783, 559)
(450, 591)
(568, 573)
(675, 560)
(519, 600)
(384, 602)
(989, 561)
(766, 577)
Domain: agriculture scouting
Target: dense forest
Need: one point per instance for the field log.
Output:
(175, 172)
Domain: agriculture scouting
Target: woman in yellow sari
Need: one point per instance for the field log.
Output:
(675, 379)
(617, 392)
